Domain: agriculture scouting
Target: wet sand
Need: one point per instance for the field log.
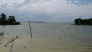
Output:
(3, 42)
(28, 44)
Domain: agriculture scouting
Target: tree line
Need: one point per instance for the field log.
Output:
(8, 21)
(80, 21)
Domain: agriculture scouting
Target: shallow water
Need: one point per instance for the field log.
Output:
(50, 37)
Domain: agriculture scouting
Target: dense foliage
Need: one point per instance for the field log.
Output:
(10, 21)
(83, 21)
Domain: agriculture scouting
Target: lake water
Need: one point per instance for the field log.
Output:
(50, 37)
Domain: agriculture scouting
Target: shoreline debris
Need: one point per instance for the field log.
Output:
(1, 34)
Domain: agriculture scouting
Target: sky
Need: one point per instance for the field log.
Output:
(55, 11)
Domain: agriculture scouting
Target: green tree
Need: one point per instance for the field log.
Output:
(3, 18)
(89, 21)
(83, 21)
(76, 21)
(12, 19)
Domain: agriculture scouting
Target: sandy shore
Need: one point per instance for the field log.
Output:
(27, 44)
(7, 43)
(18, 45)
(3, 42)
(22, 44)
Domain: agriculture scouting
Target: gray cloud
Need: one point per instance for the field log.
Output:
(45, 10)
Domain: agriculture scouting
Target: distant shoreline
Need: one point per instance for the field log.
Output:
(35, 22)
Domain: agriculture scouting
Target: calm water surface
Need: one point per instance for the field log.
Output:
(52, 37)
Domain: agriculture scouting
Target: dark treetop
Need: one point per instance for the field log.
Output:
(8, 21)
(80, 21)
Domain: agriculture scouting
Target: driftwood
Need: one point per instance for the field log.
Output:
(12, 46)
(1, 34)
(10, 42)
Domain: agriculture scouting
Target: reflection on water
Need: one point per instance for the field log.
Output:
(51, 37)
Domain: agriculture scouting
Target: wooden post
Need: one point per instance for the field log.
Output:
(30, 30)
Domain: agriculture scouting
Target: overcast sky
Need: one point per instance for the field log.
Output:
(47, 10)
